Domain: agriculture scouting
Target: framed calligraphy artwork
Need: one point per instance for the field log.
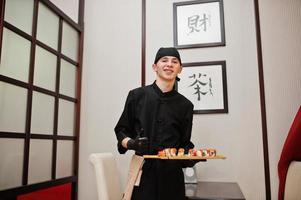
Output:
(205, 85)
(198, 24)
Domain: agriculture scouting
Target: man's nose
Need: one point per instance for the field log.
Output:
(169, 63)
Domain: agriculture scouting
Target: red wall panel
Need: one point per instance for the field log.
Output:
(61, 192)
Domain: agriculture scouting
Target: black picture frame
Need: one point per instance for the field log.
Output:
(198, 24)
(205, 85)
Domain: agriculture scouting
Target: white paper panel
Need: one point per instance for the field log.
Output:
(12, 108)
(11, 165)
(15, 55)
(40, 159)
(68, 79)
(66, 118)
(69, 7)
(19, 13)
(70, 41)
(42, 113)
(65, 156)
(45, 69)
(48, 26)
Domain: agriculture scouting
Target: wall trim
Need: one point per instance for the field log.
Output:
(143, 39)
(262, 103)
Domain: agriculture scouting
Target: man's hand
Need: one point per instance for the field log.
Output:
(140, 144)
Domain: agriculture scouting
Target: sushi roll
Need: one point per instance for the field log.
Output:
(204, 153)
(173, 152)
(181, 152)
(161, 153)
(167, 152)
(199, 153)
(192, 152)
(212, 152)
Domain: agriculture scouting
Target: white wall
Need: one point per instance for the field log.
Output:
(112, 66)
(238, 133)
(281, 41)
(69, 7)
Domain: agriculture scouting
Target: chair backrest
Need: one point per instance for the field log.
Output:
(291, 151)
(107, 176)
(293, 181)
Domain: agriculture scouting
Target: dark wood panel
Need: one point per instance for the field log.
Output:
(66, 58)
(14, 81)
(27, 135)
(78, 97)
(52, 137)
(143, 41)
(11, 135)
(2, 10)
(68, 98)
(44, 91)
(18, 31)
(262, 103)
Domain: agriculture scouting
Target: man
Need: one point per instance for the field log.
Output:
(156, 117)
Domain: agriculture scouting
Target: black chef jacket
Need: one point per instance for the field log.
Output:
(166, 119)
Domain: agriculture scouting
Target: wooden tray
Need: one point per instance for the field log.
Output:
(183, 157)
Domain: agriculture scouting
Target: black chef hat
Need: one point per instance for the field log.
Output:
(167, 51)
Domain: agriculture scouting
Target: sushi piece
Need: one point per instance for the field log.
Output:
(199, 153)
(211, 152)
(191, 152)
(173, 152)
(161, 153)
(181, 152)
(167, 152)
(204, 153)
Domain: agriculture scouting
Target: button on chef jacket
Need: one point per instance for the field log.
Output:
(166, 119)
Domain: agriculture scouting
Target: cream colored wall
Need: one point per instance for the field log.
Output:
(112, 42)
(70, 7)
(238, 133)
(281, 42)
(111, 67)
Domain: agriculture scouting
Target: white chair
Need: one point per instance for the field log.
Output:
(107, 176)
(292, 189)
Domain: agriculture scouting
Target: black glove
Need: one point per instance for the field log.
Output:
(140, 145)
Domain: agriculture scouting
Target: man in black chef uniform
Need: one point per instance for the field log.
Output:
(156, 117)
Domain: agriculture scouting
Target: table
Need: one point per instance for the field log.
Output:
(214, 190)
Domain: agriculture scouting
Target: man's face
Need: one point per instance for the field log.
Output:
(167, 68)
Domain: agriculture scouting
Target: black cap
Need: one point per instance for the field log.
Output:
(167, 51)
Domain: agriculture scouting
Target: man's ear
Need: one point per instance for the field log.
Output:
(180, 69)
(155, 68)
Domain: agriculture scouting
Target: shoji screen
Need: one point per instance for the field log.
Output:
(40, 70)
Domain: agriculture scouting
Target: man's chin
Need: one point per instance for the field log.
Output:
(170, 78)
